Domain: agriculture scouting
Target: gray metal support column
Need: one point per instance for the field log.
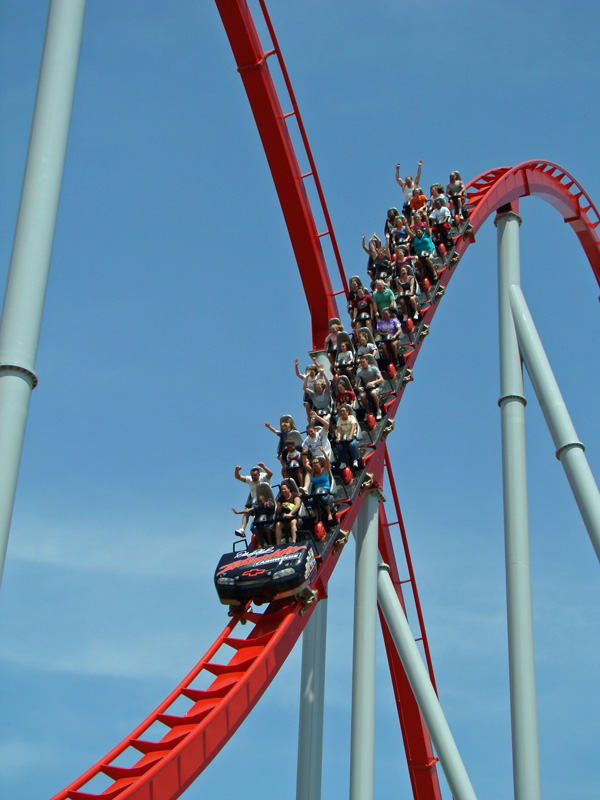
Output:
(525, 740)
(312, 698)
(32, 247)
(362, 750)
(569, 450)
(423, 690)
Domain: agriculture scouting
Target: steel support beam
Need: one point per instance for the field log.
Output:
(32, 247)
(362, 748)
(569, 450)
(524, 721)
(423, 690)
(312, 698)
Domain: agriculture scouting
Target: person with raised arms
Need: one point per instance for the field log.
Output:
(258, 474)
(408, 186)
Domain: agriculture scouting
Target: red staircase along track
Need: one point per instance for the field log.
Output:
(162, 769)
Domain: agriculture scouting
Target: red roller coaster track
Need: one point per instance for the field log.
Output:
(163, 768)
(168, 766)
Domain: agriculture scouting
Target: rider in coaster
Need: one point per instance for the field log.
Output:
(368, 382)
(353, 285)
(287, 426)
(399, 234)
(320, 397)
(316, 438)
(331, 341)
(263, 512)
(437, 190)
(293, 462)
(457, 193)
(383, 297)
(288, 507)
(425, 248)
(379, 256)
(309, 379)
(418, 221)
(390, 222)
(365, 347)
(320, 487)
(258, 474)
(407, 286)
(344, 361)
(382, 263)
(441, 221)
(418, 201)
(362, 309)
(402, 259)
(344, 393)
(390, 329)
(345, 437)
(408, 185)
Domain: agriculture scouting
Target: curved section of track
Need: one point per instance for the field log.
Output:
(170, 763)
(499, 187)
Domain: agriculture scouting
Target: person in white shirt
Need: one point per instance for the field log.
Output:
(316, 438)
(258, 474)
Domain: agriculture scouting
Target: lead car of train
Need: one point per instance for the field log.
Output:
(265, 574)
(262, 572)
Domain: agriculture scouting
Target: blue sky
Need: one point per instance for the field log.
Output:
(173, 316)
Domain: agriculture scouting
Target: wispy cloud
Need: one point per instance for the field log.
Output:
(17, 755)
(144, 546)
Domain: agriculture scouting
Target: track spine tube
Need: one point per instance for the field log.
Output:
(569, 450)
(34, 237)
(422, 687)
(421, 760)
(521, 653)
(411, 572)
(312, 701)
(362, 747)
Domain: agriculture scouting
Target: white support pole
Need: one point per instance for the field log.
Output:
(312, 698)
(32, 247)
(420, 682)
(524, 722)
(362, 749)
(569, 450)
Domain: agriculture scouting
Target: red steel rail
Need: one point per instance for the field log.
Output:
(313, 167)
(170, 764)
(499, 187)
(252, 63)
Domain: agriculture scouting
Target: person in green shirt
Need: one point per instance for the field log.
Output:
(383, 297)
